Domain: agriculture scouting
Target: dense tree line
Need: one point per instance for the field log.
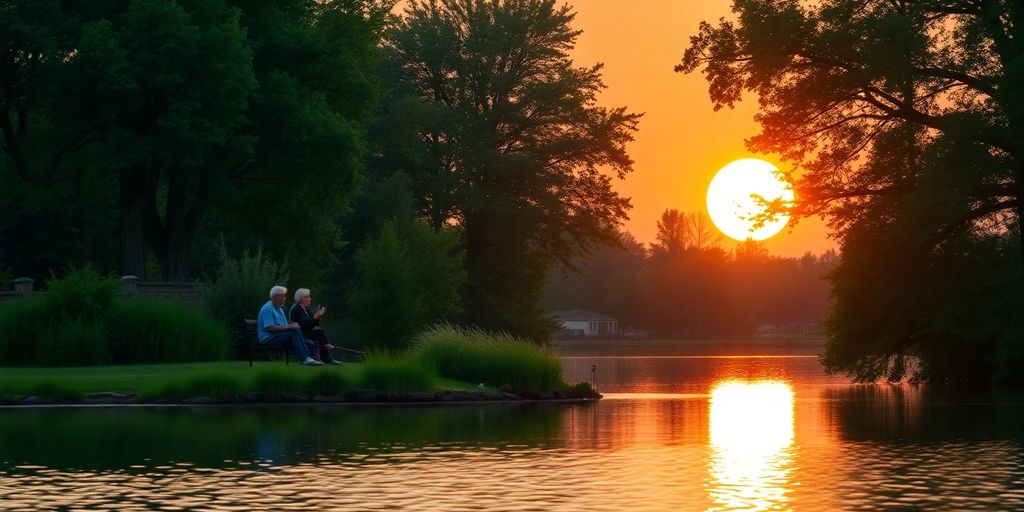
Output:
(418, 168)
(904, 122)
(688, 285)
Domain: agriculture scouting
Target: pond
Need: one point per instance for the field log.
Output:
(678, 430)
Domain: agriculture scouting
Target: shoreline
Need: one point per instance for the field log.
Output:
(342, 403)
(355, 398)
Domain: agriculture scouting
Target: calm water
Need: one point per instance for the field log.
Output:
(676, 432)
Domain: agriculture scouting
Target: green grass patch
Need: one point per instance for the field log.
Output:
(396, 374)
(497, 360)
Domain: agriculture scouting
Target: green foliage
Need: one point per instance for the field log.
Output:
(275, 382)
(241, 287)
(151, 330)
(75, 342)
(81, 321)
(23, 322)
(82, 292)
(515, 153)
(404, 279)
(473, 355)
(902, 119)
(384, 372)
(326, 382)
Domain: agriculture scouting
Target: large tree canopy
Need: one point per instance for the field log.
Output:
(905, 124)
(190, 108)
(510, 145)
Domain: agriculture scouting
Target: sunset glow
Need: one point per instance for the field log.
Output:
(734, 198)
(751, 429)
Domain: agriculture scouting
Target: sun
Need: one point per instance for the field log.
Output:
(733, 198)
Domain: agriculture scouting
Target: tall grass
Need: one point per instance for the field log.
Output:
(240, 288)
(83, 321)
(474, 355)
(150, 330)
(22, 324)
(392, 374)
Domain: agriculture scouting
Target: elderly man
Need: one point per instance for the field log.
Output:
(274, 329)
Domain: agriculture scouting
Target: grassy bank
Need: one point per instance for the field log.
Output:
(176, 381)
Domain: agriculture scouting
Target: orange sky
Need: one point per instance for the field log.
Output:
(682, 142)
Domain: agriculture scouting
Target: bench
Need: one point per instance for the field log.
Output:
(252, 341)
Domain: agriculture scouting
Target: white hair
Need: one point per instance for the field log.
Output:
(301, 293)
(278, 290)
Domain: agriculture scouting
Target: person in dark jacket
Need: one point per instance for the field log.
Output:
(309, 322)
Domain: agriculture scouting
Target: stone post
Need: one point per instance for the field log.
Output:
(129, 285)
(24, 286)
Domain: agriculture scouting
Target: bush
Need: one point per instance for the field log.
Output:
(406, 278)
(473, 355)
(81, 293)
(149, 330)
(22, 325)
(240, 288)
(395, 375)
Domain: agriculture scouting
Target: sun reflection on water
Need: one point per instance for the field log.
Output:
(751, 431)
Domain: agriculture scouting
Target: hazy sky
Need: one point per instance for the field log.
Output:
(682, 142)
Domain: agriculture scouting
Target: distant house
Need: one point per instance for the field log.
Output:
(578, 323)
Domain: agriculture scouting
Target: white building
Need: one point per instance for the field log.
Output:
(577, 323)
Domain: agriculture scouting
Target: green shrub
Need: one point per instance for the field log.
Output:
(395, 375)
(276, 382)
(407, 277)
(326, 382)
(240, 288)
(146, 330)
(473, 355)
(75, 342)
(22, 325)
(81, 293)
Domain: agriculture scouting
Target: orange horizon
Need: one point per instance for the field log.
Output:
(682, 142)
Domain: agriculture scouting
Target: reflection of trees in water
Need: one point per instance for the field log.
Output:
(919, 413)
(118, 438)
(621, 424)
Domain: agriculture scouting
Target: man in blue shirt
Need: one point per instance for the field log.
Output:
(273, 329)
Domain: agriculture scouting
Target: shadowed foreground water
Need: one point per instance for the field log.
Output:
(680, 433)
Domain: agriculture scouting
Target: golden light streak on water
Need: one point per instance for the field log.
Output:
(751, 431)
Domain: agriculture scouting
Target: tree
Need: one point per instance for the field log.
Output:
(191, 108)
(904, 122)
(517, 153)
(405, 279)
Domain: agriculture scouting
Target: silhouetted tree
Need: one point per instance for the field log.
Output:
(514, 148)
(905, 120)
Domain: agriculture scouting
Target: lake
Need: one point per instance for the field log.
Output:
(692, 428)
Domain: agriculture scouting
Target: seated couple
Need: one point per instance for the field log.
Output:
(273, 328)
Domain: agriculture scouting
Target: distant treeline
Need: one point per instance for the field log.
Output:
(689, 284)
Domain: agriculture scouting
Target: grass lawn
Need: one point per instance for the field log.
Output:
(148, 379)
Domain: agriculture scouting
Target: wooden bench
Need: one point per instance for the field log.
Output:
(252, 340)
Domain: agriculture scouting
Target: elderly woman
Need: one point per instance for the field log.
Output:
(309, 323)
(273, 329)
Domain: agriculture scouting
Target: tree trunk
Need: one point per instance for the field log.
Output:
(133, 206)
(171, 238)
